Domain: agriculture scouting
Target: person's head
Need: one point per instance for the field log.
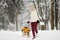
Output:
(31, 7)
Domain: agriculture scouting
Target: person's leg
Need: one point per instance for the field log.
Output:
(35, 24)
(32, 26)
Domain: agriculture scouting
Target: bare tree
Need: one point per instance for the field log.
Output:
(52, 14)
(56, 14)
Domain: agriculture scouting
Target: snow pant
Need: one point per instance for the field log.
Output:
(34, 28)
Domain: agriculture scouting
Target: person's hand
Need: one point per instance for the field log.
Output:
(38, 21)
(28, 22)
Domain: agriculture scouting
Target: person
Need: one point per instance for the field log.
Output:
(34, 20)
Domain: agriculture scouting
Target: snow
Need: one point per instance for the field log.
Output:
(42, 35)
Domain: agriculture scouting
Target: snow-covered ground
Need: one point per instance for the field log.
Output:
(42, 35)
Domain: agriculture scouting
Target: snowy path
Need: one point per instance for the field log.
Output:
(43, 35)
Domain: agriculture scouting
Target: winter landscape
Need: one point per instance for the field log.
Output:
(15, 14)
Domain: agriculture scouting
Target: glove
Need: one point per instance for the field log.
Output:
(38, 21)
(28, 22)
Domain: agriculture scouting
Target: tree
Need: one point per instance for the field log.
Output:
(56, 14)
(13, 11)
(52, 14)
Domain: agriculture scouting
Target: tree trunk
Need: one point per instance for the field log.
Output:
(56, 14)
(16, 20)
(52, 14)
